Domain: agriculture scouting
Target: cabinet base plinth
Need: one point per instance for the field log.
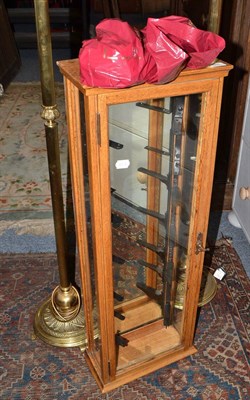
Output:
(137, 371)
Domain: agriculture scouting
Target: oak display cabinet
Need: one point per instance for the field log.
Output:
(142, 163)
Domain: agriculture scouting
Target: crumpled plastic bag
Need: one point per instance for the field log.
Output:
(164, 58)
(115, 58)
(202, 47)
(118, 57)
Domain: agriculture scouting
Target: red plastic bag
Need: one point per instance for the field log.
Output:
(115, 58)
(163, 58)
(118, 58)
(202, 47)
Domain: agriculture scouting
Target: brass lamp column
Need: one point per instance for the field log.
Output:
(59, 321)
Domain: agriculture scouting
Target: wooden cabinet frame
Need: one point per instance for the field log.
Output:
(166, 344)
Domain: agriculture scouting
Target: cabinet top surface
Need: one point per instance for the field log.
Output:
(71, 70)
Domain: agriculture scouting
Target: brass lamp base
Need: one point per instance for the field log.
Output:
(208, 288)
(57, 328)
(207, 291)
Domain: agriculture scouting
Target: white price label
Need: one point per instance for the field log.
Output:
(122, 164)
(219, 273)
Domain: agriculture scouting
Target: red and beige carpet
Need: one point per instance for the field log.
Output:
(33, 370)
(24, 177)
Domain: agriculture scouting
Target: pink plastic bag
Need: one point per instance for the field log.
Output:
(202, 47)
(115, 58)
(163, 58)
(119, 58)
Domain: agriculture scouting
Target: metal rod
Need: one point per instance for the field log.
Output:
(154, 108)
(162, 178)
(50, 113)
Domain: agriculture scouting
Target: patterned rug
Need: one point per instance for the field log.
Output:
(32, 370)
(24, 177)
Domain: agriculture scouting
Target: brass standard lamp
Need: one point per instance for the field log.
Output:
(59, 321)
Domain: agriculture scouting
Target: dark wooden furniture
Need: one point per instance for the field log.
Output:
(69, 25)
(10, 61)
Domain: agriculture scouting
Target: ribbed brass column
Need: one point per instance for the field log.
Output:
(59, 320)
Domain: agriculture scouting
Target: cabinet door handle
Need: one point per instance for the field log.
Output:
(244, 193)
(199, 246)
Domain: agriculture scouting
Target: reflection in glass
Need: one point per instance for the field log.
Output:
(152, 163)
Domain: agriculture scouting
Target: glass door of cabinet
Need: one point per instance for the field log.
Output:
(152, 148)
